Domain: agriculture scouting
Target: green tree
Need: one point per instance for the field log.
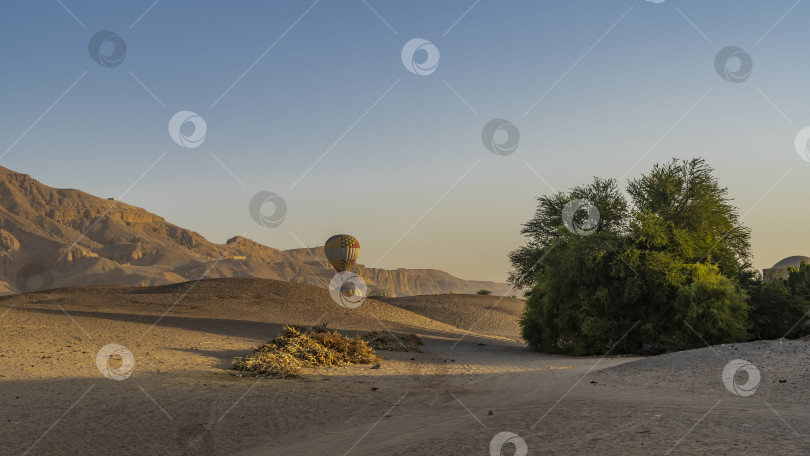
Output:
(779, 307)
(668, 265)
(681, 208)
(544, 229)
(581, 300)
(713, 306)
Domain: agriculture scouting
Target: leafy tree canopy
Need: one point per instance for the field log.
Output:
(672, 263)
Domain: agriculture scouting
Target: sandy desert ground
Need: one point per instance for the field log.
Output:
(451, 399)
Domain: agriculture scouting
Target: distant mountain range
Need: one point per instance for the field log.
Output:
(63, 237)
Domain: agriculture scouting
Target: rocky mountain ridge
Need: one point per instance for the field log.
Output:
(53, 237)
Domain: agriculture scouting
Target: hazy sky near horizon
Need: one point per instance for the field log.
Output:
(312, 101)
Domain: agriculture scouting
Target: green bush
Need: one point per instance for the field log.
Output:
(483, 292)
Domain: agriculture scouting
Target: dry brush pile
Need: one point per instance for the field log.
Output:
(300, 347)
(297, 347)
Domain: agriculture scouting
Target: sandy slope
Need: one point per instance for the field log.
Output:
(481, 314)
(180, 398)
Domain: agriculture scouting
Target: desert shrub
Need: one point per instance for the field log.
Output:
(483, 292)
(296, 348)
(390, 341)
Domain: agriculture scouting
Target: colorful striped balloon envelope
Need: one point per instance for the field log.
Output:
(342, 251)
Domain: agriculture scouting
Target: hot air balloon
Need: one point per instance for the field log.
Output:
(350, 289)
(342, 251)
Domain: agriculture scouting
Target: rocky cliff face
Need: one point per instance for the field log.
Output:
(64, 237)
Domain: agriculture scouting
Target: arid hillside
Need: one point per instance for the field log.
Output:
(63, 237)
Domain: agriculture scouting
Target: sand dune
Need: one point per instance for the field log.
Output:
(451, 399)
(482, 314)
(782, 366)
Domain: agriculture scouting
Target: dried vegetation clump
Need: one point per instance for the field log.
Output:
(298, 347)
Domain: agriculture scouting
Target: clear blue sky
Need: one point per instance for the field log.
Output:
(625, 82)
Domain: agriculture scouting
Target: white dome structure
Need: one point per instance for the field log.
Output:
(780, 269)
